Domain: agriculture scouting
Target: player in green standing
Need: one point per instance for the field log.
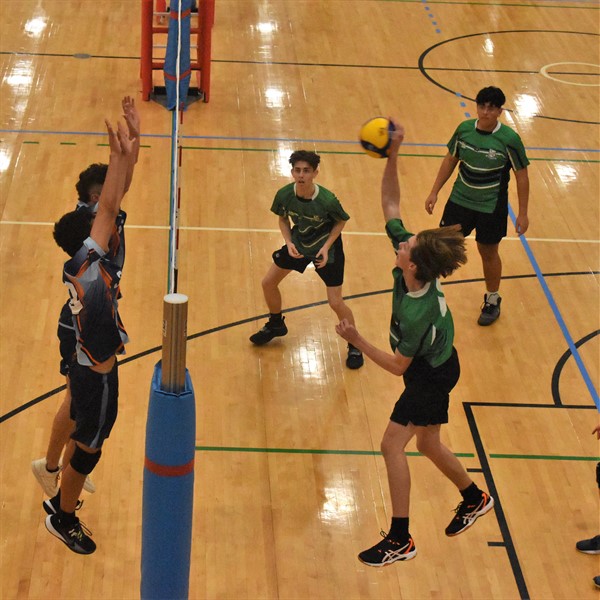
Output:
(421, 338)
(316, 237)
(486, 151)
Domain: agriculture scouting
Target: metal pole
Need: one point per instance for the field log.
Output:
(174, 343)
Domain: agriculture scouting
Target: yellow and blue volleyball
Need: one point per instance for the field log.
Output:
(374, 137)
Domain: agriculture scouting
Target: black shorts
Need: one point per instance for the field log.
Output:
(426, 396)
(67, 339)
(598, 474)
(94, 403)
(332, 273)
(490, 228)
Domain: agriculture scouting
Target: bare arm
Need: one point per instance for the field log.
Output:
(390, 184)
(446, 169)
(286, 232)
(132, 118)
(522, 179)
(396, 363)
(114, 185)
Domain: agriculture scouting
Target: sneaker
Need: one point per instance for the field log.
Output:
(355, 358)
(591, 546)
(52, 505)
(388, 551)
(268, 332)
(48, 480)
(597, 581)
(467, 514)
(76, 535)
(88, 485)
(489, 312)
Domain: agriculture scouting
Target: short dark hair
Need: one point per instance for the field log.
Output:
(491, 95)
(312, 158)
(94, 175)
(72, 230)
(438, 252)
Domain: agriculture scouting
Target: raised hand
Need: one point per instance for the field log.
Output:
(132, 116)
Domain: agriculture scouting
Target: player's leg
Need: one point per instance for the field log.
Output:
(270, 285)
(397, 544)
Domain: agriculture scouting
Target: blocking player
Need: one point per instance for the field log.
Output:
(89, 188)
(92, 276)
(421, 338)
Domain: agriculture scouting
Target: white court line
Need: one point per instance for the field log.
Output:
(249, 230)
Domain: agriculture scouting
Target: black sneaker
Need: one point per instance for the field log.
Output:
(52, 505)
(596, 581)
(591, 546)
(388, 551)
(467, 514)
(489, 312)
(268, 332)
(355, 358)
(76, 536)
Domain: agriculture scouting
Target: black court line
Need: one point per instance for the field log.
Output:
(491, 484)
(218, 328)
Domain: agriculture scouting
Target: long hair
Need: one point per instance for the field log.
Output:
(438, 252)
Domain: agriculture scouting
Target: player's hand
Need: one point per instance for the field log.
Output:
(125, 144)
(521, 224)
(347, 331)
(430, 203)
(293, 252)
(132, 116)
(321, 258)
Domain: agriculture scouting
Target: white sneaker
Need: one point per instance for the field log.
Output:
(48, 481)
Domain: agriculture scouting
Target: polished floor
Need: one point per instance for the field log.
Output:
(289, 481)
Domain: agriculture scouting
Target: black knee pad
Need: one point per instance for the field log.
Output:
(84, 462)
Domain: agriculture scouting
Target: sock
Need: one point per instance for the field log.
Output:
(51, 470)
(67, 518)
(399, 529)
(275, 318)
(492, 298)
(471, 493)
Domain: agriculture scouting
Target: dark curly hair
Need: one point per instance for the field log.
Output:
(312, 158)
(491, 95)
(72, 229)
(94, 175)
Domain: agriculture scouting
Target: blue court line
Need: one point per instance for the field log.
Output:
(268, 139)
(574, 352)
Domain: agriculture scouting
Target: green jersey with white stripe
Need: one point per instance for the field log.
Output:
(486, 159)
(421, 323)
(313, 218)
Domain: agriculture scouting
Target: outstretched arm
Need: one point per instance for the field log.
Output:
(132, 118)
(390, 184)
(446, 169)
(114, 185)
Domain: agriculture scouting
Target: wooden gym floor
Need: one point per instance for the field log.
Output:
(289, 481)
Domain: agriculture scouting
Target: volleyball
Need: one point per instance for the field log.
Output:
(374, 137)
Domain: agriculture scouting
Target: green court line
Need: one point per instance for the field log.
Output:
(378, 453)
(25, 142)
(307, 451)
(545, 457)
(68, 143)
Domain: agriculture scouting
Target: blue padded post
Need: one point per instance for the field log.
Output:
(170, 68)
(168, 495)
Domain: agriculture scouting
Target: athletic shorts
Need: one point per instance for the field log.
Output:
(490, 228)
(66, 339)
(426, 394)
(598, 474)
(332, 273)
(94, 403)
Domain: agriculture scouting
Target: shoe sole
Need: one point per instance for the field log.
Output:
(263, 343)
(589, 551)
(404, 557)
(89, 486)
(56, 534)
(483, 511)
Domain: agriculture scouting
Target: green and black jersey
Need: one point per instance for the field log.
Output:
(421, 324)
(313, 218)
(486, 159)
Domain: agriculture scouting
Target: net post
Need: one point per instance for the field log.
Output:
(146, 49)
(174, 334)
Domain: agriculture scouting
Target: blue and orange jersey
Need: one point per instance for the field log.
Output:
(93, 278)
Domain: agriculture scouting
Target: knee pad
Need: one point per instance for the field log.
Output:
(84, 462)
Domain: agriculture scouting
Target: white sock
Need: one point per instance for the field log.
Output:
(492, 297)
